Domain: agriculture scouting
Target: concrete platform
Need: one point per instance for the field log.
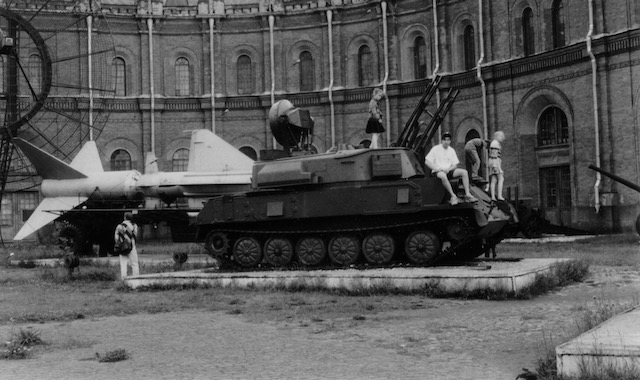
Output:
(497, 275)
(143, 259)
(615, 344)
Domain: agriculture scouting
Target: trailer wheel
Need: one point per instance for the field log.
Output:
(71, 240)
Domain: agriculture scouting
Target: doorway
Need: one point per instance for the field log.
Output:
(555, 191)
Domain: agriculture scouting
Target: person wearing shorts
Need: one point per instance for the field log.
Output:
(443, 162)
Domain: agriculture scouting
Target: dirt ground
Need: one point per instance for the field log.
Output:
(410, 337)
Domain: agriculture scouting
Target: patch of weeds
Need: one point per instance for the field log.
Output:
(235, 311)
(61, 275)
(113, 356)
(27, 264)
(20, 344)
(158, 287)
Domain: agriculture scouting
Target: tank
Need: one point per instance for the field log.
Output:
(350, 206)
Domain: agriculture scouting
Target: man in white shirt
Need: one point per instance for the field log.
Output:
(443, 162)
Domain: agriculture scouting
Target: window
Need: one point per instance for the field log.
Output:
(419, 58)
(34, 75)
(557, 23)
(249, 152)
(182, 77)
(469, 45)
(553, 128)
(26, 204)
(6, 212)
(245, 75)
(120, 160)
(365, 71)
(528, 36)
(118, 73)
(180, 160)
(307, 72)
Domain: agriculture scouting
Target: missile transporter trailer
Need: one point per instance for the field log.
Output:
(347, 206)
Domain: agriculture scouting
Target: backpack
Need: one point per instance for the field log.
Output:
(123, 240)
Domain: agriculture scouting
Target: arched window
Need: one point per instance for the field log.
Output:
(120, 160)
(365, 69)
(180, 160)
(472, 134)
(182, 77)
(34, 68)
(249, 152)
(553, 128)
(307, 72)
(557, 22)
(419, 58)
(245, 75)
(528, 35)
(119, 75)
(469, 46)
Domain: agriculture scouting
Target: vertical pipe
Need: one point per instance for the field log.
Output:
(331, 105)
(273, 69)
(383, 5)
(213, 77)
(437, 43)
(596, 124)
(90, 72)
(151, 88)
(479, 71)
(436, 38)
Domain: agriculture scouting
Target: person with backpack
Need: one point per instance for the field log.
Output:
(125, 245)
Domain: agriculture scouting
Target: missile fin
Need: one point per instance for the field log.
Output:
(210, 153)
(88, 159)
(41, 217)
(47, 166)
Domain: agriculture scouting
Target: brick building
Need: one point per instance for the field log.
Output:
(559, 77)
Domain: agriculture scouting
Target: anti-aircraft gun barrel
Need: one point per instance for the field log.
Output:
(616, 178)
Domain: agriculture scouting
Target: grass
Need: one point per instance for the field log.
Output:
(20, 344)
(117, 355)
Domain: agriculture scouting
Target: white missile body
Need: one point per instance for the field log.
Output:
(215, 167)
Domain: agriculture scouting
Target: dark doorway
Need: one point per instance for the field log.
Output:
(555, 191)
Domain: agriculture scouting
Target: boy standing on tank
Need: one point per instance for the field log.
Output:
(374, 124)
(443, 162)
(473, 159)
(496, 174)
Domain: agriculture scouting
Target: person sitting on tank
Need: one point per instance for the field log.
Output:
(443, 161)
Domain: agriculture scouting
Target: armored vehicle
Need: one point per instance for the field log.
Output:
(348, 206)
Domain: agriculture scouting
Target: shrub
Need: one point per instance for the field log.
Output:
(113, 356)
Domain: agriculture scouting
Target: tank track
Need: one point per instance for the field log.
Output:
(417, 243)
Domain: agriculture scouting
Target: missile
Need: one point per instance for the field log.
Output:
(215, 167)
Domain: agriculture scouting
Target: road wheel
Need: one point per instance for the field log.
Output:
(344, 250)
(421, 246)
(247, 251)
(378, 248)
(311, 251)
(278, 251)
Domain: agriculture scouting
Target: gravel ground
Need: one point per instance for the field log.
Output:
(427, 339)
